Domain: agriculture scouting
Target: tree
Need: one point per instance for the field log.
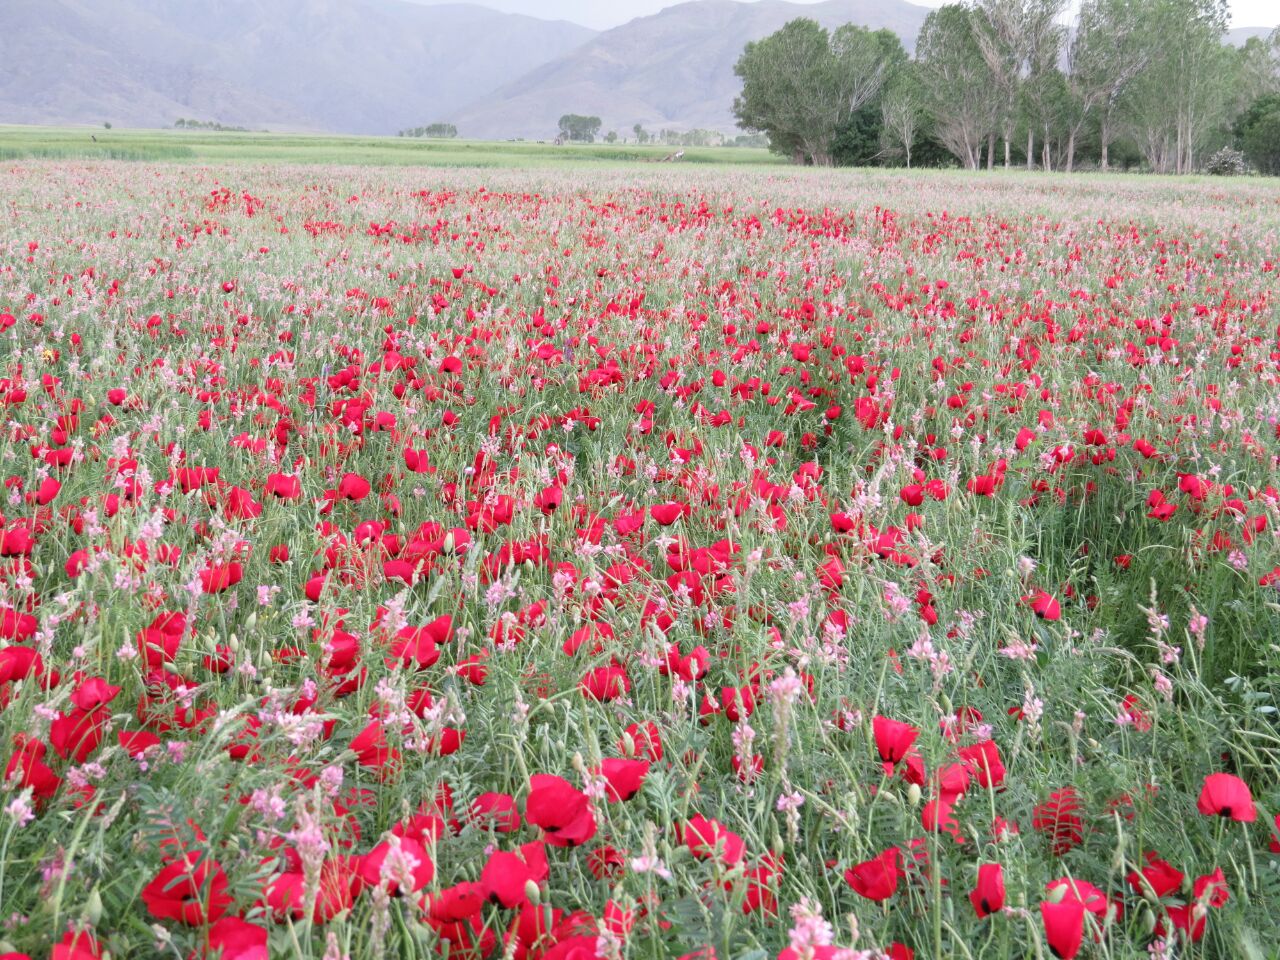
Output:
(578, 128)
(902, 113)
(611, 136)
(435, 131)
(1258, 131)
(997, 30)
(1046, 99)
(1106, 55)
(1182, 95)
(963, 100)
(642, 135)
(800, 85)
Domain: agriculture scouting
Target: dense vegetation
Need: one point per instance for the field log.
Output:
(1147, 83)
(594, 564)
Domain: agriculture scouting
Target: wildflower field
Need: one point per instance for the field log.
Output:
(631, 563)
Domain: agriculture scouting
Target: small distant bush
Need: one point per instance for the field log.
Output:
(1227, 162)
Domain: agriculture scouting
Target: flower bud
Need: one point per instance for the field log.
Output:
(93, 908)
(913, 794)
(533, 892)
(1146, 919)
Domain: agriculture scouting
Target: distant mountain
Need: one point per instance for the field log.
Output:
(673, 69)
(355, 66)
(1239, 35)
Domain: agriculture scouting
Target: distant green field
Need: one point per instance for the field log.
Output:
(22, 142)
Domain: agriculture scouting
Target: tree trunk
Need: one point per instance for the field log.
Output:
(1031, 149)
(991, 150)
(1104, 131)
(1007, 156)
(1071, 150)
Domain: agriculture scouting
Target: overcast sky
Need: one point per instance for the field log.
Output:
(603, 14)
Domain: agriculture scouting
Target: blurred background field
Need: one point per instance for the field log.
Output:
(73, 143)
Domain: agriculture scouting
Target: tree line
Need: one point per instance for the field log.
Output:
(1147, 83)
(432, 131)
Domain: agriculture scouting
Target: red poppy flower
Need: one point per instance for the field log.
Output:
(1226, 795)
(419, 646)
(894, 740)
(605, 683)
(624, 777)
(76, 945)
(665, 514)
(401, 865)
(1044, 605)
(643, 741)
(563, 812)
(284, 486)
(1158, 878)
(1211, 889)
(234, 939)
(191, 890)
(877, 878)
(1063, 927)
(218, 577)
(983, 760)
(506, 876)
(352, 486)
(987, 895)
(1058, 819)
(708, 838)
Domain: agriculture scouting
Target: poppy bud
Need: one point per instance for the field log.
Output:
(251, 621)
(778, 846)
(448, 542)
(913, 794)
(1146, 919)
(1057, 892)
(533, 892)
(93, 908)
(234, 643)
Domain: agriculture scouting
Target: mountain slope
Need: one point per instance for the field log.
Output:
(673, 69)
(358, 66)
(1238, 36)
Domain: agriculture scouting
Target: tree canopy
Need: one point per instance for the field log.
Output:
(578, 128)
(802, 84)
(1151, 82)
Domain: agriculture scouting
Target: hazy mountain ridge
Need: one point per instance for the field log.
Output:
(359, 66)
(672, 69)
(377, 66)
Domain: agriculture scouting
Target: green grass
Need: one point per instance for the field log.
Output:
(68, 143)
